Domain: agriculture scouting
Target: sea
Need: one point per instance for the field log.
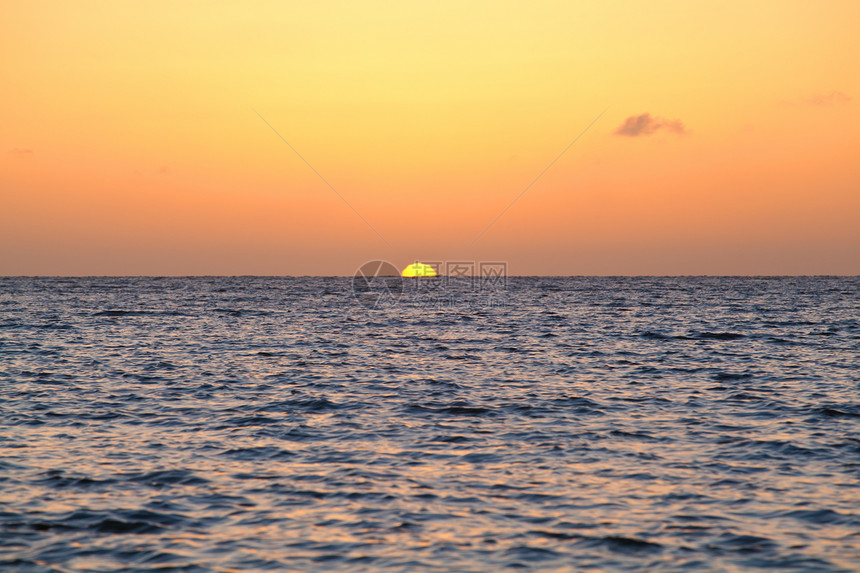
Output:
(523, 424)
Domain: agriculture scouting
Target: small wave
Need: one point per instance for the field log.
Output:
(635, 435)
(162, 478)
(455, 408)
(480, 458)
(466, 410)
(56, 479)
(464, 356)
(731, 376)
(743, 396)
(119, 526)
(847, 411)
(123, 521)
(122, 313)
(576, 401)
(744, 543)
(450, 439)
(555, 534)
(318, 405)
(621, 544)
(579, 405)
(655, 335)
(54, 326)
(631, 544)
(530, 554)
(258, 453)
(824, 516)
(782, 341)
(717, 335)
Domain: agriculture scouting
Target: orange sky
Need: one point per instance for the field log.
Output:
(130, 145)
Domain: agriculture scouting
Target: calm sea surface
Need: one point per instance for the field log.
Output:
(557, 424)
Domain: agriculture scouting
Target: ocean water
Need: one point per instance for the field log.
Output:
(549, 424)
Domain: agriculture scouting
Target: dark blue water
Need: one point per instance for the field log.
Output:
(564, 424)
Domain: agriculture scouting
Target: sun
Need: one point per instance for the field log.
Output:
(417, 269)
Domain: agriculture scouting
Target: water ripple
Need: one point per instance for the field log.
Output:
(274, 424)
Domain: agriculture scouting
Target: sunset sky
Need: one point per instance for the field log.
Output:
(130, 140)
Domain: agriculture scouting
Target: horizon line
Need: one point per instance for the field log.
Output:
(2, 276)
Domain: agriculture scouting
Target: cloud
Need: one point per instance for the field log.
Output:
(19, 151)
(645, 124)
(831, 99)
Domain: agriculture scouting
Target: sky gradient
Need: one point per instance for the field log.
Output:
(131, 142)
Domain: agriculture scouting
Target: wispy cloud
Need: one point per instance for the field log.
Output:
(831, 99)
(19, 151)
(646, 124)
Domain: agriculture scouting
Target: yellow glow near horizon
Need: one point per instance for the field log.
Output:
(419, 270)
(130, 143)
